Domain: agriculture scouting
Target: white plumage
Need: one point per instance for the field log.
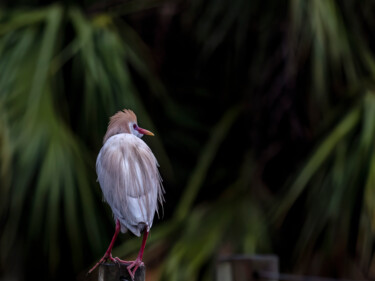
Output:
(130, 181)
(129, 177)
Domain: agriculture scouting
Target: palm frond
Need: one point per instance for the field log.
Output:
(56, 197)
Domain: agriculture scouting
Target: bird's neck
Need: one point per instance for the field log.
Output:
(111, 131)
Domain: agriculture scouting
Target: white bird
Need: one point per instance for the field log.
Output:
(130, 181)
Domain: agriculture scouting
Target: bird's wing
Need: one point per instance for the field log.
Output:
(130, 181)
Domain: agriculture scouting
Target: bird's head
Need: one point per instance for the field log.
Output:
(125, 122)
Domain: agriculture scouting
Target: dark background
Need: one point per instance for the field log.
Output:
(264, 122)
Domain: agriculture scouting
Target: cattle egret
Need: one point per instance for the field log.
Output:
(130, 181)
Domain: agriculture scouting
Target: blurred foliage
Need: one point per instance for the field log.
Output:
(60, 74)
(265, 120)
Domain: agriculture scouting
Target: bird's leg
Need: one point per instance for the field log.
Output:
(108, 253)
(138, 261)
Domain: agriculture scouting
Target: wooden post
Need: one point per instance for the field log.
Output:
(115, 272)
(246, 267)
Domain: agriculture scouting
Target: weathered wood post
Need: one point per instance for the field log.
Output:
(246, 267)
(115, 272)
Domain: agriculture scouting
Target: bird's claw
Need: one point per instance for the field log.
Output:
(134, 264)
(131, 265)
(119, 261)
(107, 256)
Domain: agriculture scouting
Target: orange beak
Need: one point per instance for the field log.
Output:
(145, 132)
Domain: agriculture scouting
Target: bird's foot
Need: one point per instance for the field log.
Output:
(118, 260)
(133, 266)
(107, 256)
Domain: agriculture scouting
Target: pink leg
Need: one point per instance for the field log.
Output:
(108, 253)
(138, 261)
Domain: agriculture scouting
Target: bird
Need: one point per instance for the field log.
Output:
(130, 181)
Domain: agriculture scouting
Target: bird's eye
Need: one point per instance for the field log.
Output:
(135, 126)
